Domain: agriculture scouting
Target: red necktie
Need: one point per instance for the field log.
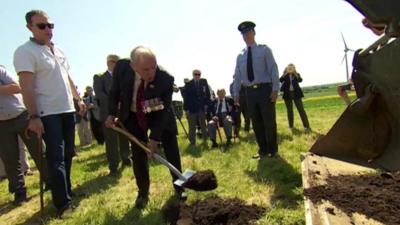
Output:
(141, 117)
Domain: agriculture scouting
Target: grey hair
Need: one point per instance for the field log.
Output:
(140, 51)
(30, 14)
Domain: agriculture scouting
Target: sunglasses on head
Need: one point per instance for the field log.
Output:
(43, 26)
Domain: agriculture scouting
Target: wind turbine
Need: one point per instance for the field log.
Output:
(346, 49)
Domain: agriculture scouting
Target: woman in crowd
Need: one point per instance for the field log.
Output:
(292, 93)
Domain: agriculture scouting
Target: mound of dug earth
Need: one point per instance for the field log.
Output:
(214, 210)
(376, 196)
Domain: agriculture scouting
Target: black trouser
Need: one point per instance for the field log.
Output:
(300, 109)
(263, 117)
(140, 165)
(9, 151)
(117, 148)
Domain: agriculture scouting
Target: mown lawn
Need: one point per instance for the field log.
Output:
(272, 183)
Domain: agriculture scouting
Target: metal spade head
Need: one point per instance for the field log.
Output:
(187, 174)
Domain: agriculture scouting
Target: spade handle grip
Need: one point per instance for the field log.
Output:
(144, 147)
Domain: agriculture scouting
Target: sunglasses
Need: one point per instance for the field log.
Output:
(197, 74)
(43, 26)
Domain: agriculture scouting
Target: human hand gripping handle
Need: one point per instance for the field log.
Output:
(110, 121)
(153, 147)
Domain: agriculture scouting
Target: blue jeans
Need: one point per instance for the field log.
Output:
(59, 137)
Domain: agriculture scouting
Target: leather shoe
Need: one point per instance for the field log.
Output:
(66, 211)
(19, 198)
(141, 202)
(182, 195)
(113, 174)
(228, 142)
(127, 163)
(258, 156)
(214, 144)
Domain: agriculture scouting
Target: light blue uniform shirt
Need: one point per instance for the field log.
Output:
(264, 67)
(11, 106)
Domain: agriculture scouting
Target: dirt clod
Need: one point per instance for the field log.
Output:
(202, 181)
(214, 210)
(373, 195)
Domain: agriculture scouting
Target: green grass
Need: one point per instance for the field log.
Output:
(272, 183)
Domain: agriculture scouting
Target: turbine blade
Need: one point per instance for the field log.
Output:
(344, 57)
(344, 42)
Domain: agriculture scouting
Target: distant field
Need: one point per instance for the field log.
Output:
(320, 90)
(273, 183)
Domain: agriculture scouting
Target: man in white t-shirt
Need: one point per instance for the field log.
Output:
(48, 93)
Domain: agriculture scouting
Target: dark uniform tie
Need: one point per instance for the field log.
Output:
(219, 108)
(250, 72)
(141, 117)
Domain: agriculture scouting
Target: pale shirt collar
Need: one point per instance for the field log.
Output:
(252, 45)
(38, 42)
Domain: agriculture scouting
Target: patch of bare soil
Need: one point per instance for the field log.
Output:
(212, 211)
(376, 196)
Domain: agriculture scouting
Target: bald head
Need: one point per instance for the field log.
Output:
(144, 62)
(141, 53)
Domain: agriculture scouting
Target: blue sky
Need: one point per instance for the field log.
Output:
(193, 34)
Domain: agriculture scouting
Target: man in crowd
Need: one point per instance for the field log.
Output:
(135, 84)
(221, 110)
(197, 97)
(48, 93)
(117, 146)
(84, 132)
(13, 124)
(257, 71)
(94, 115)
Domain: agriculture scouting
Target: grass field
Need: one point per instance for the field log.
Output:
(273, 183)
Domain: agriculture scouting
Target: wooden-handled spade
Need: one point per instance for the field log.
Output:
(198, 181)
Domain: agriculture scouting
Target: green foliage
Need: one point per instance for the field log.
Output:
(272, 183)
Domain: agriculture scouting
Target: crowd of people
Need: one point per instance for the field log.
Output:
(45, 106)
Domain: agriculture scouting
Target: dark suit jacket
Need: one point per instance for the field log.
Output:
(163, 120)
(101, 86)
(196, 99)
(285, 88)
(120, 97)
(229, 104)
(161, 87)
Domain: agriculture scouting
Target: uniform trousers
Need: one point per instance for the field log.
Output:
(263, 117)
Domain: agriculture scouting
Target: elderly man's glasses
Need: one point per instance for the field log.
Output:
(197, 74)
(43, 26)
